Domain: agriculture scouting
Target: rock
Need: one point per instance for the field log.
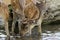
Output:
(53, 11)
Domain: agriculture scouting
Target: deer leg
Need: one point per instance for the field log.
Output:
(7, 29)
(30, 28)
(19, 25)
(39, 26)
(39, 29)
(30, 31)
(13, 26)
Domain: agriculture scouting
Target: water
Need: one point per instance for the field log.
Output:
(49, 32)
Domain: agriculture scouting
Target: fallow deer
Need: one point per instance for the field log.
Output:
(4, 15)
(34, 16)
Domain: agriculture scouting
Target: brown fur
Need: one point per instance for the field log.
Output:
(4, 8)
(4, 14)
(27, 1)
(31, 13)
(17, 13)
(15, 4)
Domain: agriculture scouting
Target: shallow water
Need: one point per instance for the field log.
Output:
(49, 32)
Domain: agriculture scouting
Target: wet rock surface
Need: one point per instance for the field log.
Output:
(49, 32)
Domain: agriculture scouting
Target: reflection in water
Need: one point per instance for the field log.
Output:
(30, 38)
(50, 32)
(23, 38)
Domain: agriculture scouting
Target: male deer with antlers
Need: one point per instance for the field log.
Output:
(32, 14)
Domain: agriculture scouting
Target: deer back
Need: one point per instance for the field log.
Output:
(4, 11)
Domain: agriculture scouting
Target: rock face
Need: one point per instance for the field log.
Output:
(53, 12)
